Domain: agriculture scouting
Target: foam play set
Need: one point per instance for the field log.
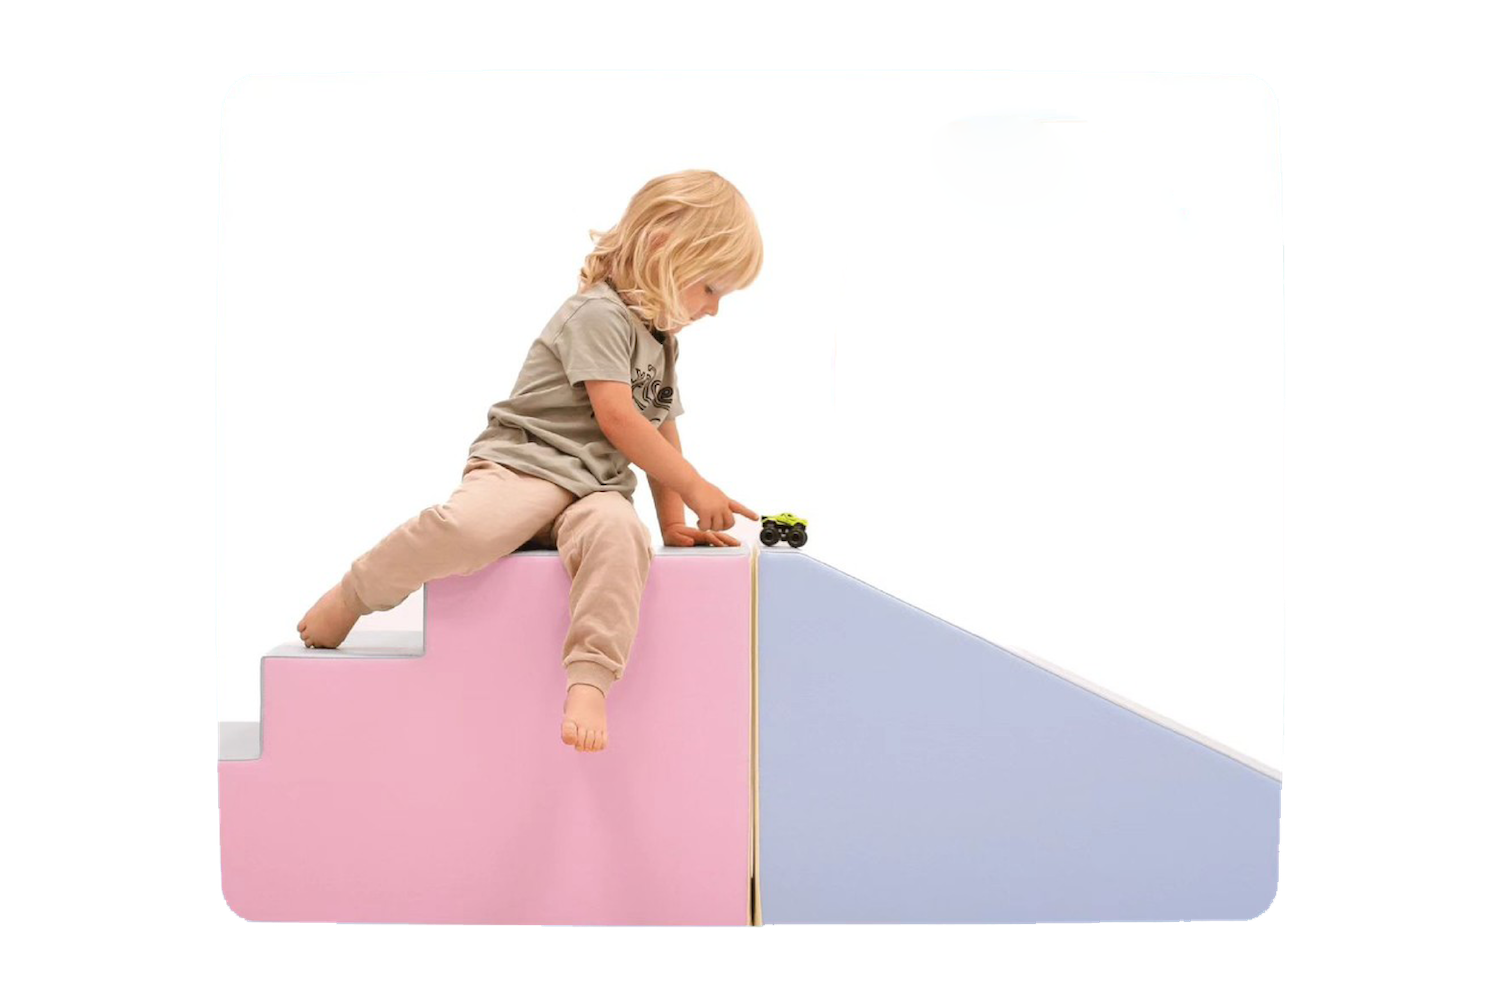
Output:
(785, 748)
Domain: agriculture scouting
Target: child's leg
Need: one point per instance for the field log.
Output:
(493, 511)
(607, 552)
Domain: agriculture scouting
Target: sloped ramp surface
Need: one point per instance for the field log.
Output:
(911, 772)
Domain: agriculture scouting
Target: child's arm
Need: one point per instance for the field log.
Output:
(639, 441)
(669, 508)
(633, 434)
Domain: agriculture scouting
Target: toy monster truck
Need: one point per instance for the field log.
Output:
(788, 527)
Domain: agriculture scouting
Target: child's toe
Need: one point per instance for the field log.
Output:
(570, 732)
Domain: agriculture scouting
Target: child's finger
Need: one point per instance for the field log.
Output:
(742, 509)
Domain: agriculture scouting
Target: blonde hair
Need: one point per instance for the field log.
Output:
(677, 230)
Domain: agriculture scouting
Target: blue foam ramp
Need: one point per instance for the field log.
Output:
(911, 772)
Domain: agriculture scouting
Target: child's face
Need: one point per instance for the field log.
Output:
(702, 298)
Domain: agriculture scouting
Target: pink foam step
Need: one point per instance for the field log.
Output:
(434, 788)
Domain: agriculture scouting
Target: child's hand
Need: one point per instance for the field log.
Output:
(715, 510)
(681, 534)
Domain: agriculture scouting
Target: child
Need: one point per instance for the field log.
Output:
(597, 392)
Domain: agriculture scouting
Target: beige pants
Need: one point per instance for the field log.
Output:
(496, 510)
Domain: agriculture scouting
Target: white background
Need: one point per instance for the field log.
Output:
(1016, 349)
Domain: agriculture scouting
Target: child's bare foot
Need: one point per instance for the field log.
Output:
(328, 622)
(583, 719)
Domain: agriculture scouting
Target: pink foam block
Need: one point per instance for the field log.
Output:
(435, 788)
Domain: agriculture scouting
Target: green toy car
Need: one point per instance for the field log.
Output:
(788, 527)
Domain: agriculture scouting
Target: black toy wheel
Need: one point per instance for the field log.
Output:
(769, 535)
(796, 538)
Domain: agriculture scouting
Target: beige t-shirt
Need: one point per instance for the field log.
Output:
(547, 426)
